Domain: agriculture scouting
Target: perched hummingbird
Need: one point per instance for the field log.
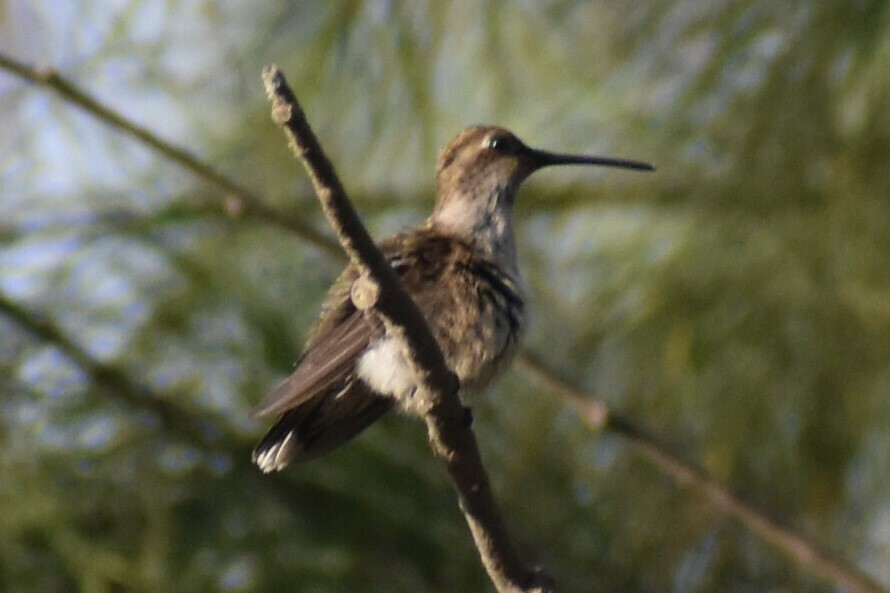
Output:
(459, 267)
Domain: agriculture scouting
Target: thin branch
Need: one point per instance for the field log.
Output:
(803, 550)
(236, 200)
(450, 437)
(202, 431)
(199, 427)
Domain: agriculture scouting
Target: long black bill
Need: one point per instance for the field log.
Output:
(545, 159)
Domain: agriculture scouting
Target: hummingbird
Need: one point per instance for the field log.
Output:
(460, 268)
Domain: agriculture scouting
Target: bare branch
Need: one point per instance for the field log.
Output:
(795, 545)
(200, 429)
(235, 201)
(451, 439)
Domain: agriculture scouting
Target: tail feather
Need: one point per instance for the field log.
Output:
(320, 425)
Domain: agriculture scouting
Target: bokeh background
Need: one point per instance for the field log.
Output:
(737, 302)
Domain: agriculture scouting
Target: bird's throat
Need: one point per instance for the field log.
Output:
(482, 222)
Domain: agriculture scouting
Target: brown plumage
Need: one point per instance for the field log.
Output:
(459, 267)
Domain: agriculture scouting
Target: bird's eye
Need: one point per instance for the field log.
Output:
(501, 143)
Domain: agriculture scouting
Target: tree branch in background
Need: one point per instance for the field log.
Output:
(236, 200)
(451, 439)
(597, 416)
(200, 430)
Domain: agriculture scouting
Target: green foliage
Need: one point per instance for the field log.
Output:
(737, 301)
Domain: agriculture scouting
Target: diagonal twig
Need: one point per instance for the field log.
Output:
(451, 439)
(802, 549)
(236, 198)
(201, 431)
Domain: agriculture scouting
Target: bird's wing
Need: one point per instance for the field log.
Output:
(343, 332)
(320, 425)
(328, 361)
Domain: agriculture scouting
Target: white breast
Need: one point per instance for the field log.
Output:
(384, 369)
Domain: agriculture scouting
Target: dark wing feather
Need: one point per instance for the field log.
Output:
(340, 336)
(322, 404)
(328, 362)
(320, 425)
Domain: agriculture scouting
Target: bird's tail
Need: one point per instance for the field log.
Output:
(320, 425)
